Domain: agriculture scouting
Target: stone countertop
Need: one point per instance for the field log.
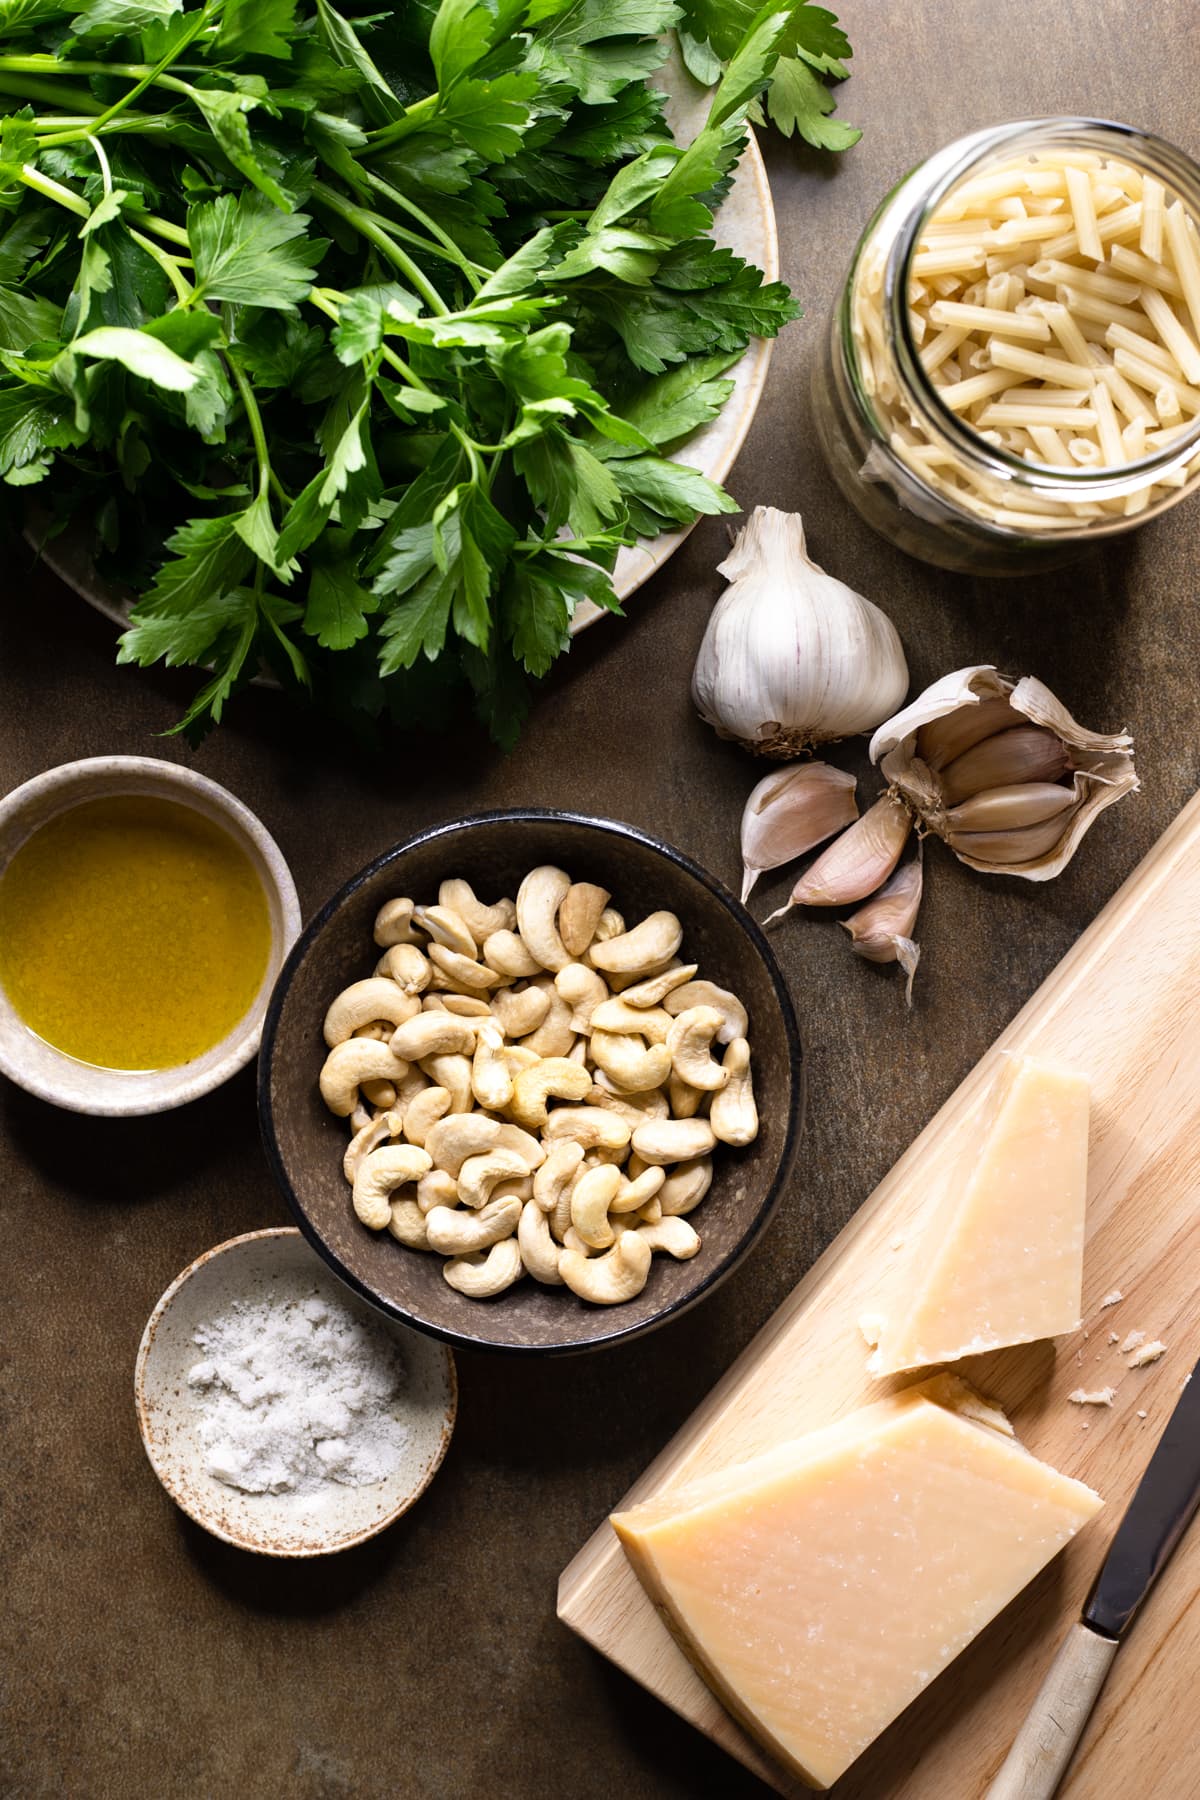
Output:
(147, 1659)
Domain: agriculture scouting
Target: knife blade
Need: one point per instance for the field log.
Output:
(1163, 1505)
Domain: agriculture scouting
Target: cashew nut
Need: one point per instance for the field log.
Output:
(554, 1036)
(631, 1195)
(423, 1112)
(518, 1187)
(651, 1213)
(571, 1240)
(446, 928)
(685, 1100)
(673, 1140)
(608, 1280)
(553, 1075)
(482, 1277)
(642, 950)
(651, 1022)
(579, 914)
(365, 1003)
(436, 1189)
(393, 923)
(369, 1137)
(734, 1022)
(591, 1198)
(505, 952)
(464, 1006)
(456, 1233)
(591, 1127)
(605, 1154)
(630, 1065)
(539, 1252)
(491, 1078)
(480, 920)
(583, 989)
(378, 1174)
(689, 1043)
(518, 1058)
(556, 1176)
(521, 1010)
(654, 990)
(480, 1174)
(625, 1105)
(463, 971)
(674, 1235)
(406, 1222)
(452, 1072)
(685, 1187)
(612, 924)
(407, 966)
(355, 1063)
(451, 1141)
(433, 1034)
(733, 1114)
(578, 1053)
(538, 899)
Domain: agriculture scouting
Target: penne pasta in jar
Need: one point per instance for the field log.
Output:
(1014, 366)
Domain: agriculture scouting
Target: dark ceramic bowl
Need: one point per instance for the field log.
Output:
(304, 1142)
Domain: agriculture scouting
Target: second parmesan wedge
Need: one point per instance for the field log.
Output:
(1001, 1261)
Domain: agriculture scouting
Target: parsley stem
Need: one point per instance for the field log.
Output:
(53, 93)
(384, 136)
(53, 190)
(451, 249)
(168, 264)
(367, 226)
(254, 420)
(157, 72)
(324, 299)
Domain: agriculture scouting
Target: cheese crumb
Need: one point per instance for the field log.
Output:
(1111, 1299)
(1114, 1337)
(1149, 1353)
(871, 1325)
(1098, 1397)
(1132, 1340)
(1141, 1412)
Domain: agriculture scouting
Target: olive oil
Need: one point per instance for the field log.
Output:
(134, 933)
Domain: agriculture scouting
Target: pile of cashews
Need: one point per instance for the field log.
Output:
(533, 1089)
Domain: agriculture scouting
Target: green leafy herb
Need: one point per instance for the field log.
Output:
(367, 339)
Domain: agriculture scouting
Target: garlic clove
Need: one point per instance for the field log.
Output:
(882, 930)
(1020, 845)
(942, 740)
(790, 812)
(1009, 808)
(1025, 753)
(792, 657)
(857, 862)
(1101, 764)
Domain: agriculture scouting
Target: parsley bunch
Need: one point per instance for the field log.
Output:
(365, 341)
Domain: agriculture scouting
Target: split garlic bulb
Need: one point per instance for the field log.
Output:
(1001, 772)
(792, 657)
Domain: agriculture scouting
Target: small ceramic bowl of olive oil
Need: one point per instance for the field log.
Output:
(144, 915)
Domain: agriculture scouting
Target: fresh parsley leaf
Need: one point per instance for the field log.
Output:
(140, 353)
(257, 28)
(799, 102)
(249, 253)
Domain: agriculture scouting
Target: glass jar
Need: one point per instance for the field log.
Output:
(921, 475)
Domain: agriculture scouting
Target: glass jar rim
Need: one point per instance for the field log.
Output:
(951, 166)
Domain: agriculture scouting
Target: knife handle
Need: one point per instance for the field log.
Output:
(1054, 1724)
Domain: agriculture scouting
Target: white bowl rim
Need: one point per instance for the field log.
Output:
(242, 1042)
(144, 1411)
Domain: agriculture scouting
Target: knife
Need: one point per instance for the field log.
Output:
(1157, 1517)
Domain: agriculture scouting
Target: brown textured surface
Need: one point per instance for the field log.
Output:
(145, 1659)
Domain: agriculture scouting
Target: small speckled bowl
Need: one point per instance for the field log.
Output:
(494, 851)
(82, 1087)
(247, 1268)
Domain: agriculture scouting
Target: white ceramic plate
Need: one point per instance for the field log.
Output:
(745, 224)
(245, 1268)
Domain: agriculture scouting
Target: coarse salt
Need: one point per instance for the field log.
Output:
(295, 1390)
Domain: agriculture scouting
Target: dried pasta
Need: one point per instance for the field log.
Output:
(1055, 307)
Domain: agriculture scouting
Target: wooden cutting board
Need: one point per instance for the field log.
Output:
(1123, 1005)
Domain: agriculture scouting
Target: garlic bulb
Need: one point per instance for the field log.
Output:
(1001, 771)
(790, 812)
(882, 929)
(791, 656)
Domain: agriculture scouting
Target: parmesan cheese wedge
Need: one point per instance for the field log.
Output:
(821, 1586)
(1001, 1260)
